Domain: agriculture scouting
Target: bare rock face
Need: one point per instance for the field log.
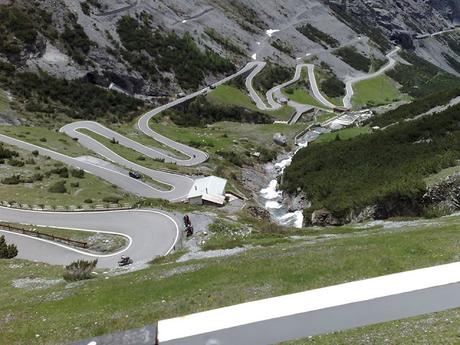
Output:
(241, 24)
(403, 38)
(298, 202)
(368, 213)
(450, 8)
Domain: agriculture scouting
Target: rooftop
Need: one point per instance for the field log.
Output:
(212, 185)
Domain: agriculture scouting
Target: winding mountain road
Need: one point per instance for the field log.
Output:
(275, 92)
(126, 223)
(349, 83)
(149, 233)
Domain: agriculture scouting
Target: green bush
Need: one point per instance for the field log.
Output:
(58, 187)
(114, 199)
(76, 42)
(16, 162)
(235, 158)
(282, 47)
(79, 270)
(6, 153)
(7, 251)
(201, 112)
(61, 171)
(37, 177)
(353, 58)
(78, 173)
(333, 86)
(12, 180)
(272, 74)
(316, 35)
(150, 51)
(224, 41)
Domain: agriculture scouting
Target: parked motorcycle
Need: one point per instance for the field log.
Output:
(125, 261)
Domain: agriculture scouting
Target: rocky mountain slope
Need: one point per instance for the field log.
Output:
(160, 47)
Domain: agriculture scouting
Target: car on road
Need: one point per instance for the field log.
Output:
(135, 174)
(212, 87)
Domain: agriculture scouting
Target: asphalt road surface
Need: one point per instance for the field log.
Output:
(149, 233)
(349, 83)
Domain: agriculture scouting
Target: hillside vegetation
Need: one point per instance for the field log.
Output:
(385, 169)
(421, 78)
(410, 110)
(151, 51)
(201, 112)
(49, 96)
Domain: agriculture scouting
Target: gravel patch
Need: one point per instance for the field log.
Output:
(196, 255)
(35, 283)
(386, 224)
(180, 270)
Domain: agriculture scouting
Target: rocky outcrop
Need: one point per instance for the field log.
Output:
(298, 202)
(403, 38)
(324, 217)
(235, 26)
(259, 213)
(280, 139)
(444, 195)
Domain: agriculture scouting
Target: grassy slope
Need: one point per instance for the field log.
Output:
(129, 131)
(301, 95)
(133, 155)
(54, 140)
(433, 179)
(137, 299)
(344, 134)
(90, 187)
(230, 95)
(324, 117)
(376, 91)
(221, 135)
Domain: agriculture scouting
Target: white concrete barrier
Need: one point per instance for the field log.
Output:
(319, 311)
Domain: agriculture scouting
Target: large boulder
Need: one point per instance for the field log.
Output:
(280, 139)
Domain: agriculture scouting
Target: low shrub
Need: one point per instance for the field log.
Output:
(12, 180)
(16, 162)
(112, 199)
(58, 187)
(79, 270)
(7, 251)
(78, 173)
